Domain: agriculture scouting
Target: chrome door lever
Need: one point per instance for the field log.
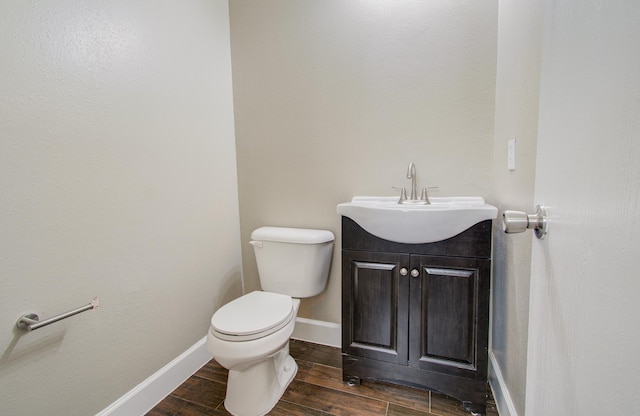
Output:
(518, 222)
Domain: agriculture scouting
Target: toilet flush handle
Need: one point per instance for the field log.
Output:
(256, 243)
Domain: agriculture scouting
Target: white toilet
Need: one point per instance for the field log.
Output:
(250, 335)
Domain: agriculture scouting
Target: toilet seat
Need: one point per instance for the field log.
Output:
(252, 316)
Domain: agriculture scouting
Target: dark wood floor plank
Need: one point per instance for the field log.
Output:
(304, 368)
(315, 353)
(331, 377)
(213, 371)
(400, 395)
(395, 410)
(285, 408)
(201, 391)
(443, 405)
(169, 406)
(193, 409)
(404, 396)
(333, 401)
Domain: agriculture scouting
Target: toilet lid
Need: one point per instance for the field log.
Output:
(253, 315)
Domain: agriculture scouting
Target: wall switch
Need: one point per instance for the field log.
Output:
(511, 154)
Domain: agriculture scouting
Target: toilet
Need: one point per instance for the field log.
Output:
(249, 336)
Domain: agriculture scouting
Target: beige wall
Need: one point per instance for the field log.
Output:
(517, 85)
(334, 98)
(117, 180)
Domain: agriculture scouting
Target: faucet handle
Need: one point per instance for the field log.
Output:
(403, 193)
(425, 195)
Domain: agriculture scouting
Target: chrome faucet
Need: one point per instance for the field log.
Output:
(413, 198)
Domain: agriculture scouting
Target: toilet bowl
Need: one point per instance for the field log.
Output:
(259, 364)
(249, 336)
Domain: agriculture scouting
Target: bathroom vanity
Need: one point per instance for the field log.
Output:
(418, 314)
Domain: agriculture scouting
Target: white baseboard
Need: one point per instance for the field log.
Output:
(504, 403)
(150, 392)
(318, 332)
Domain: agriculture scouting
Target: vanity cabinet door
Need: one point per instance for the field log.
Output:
(449, 311)
(374, 306)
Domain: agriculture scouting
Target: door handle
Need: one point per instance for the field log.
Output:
(518, 222)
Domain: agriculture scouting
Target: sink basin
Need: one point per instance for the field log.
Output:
(444, 218)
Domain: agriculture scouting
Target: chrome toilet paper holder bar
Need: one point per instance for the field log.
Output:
(31, 321)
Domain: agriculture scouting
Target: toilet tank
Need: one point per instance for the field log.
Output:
(293, 261)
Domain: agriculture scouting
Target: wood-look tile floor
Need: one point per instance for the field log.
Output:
(316, 390)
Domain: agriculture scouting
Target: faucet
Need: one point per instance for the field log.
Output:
(411, 174)
(413, 199)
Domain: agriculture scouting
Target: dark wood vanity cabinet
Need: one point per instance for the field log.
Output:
(418, 314)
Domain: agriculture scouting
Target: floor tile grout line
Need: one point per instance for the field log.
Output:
(208, 379)
(221, 404)
(191, 401)
(184, 402)
(307, 407)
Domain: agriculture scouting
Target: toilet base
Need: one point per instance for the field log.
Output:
(256, 389)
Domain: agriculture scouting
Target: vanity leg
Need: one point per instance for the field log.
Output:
(352, 380)
(476, 409)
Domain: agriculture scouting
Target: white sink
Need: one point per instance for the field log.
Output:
(444, 218)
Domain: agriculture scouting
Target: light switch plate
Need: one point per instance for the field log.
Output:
(511, 154)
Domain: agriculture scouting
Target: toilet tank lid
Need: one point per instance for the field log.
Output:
(292, 235)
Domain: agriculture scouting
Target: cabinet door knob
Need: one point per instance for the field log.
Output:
(404, 271)
(415, 273)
